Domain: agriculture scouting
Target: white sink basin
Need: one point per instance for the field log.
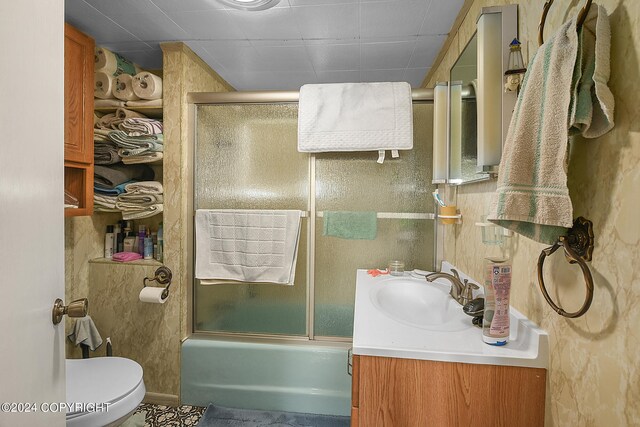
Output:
(411, 318)
(418, 303)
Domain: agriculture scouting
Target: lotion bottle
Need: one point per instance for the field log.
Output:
(148, 246)
(497, 287)
(108, 242)
(129, 242)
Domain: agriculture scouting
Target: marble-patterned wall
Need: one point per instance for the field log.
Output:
(594, 376)
(148, 333)
(191, 74)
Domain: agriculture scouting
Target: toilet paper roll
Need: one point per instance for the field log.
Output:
(123, 88)
(147, 85)
(113, 64)
(152, 295)
(103, 85)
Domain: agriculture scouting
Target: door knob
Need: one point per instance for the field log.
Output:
(77, 308)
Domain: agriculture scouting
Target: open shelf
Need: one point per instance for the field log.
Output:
(144, 262)
(78, 181)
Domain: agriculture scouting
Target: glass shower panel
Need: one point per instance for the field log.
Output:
(246, 158)
(355, 182)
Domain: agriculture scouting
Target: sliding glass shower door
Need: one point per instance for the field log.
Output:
(246, 158)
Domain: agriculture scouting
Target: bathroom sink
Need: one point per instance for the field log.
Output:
(418, 303)
(409, 318)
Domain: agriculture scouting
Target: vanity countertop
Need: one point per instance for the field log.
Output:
(379, 333)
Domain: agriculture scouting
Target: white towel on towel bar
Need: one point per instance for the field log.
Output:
(257, 246)
(355, 117)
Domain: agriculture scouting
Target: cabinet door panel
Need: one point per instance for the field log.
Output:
(78, 96)
(408, 393)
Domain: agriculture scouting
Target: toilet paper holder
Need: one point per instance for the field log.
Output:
(163, 276)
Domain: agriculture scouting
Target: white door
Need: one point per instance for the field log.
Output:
(32, 370)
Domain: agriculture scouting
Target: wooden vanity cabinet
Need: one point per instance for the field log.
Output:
(395, 392)
(78, 119)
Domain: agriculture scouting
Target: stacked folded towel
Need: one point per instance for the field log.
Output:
(110, 181)
(140, 200)
(139, 126)
(138, 149)
(107, 179)
(105, 152)
(127, 136)
(104, 203)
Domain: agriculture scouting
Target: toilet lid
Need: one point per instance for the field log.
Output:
(101, 379)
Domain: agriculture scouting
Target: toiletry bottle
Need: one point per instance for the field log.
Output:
(497, 286)
(141, 234)
(129, 242)
(154, 243)
(159, 252)
(108, 242)
(116, 234)
(148, 246)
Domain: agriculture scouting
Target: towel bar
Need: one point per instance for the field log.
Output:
(547, 5)
(395, 215)
(578, 248)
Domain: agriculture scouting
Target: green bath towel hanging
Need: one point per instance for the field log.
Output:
(350, 225)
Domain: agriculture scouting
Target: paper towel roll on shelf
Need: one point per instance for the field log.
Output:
(113, 64)
(147, 85)
(153, 295)
(123, 88)
(103, 85)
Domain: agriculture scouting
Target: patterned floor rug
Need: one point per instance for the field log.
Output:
(169, 416)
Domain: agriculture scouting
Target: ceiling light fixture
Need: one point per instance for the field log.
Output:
(250, 4)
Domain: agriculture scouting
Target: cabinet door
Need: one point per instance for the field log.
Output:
(418, 393)
(78, 96)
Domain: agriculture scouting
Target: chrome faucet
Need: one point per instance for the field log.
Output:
(461, 292)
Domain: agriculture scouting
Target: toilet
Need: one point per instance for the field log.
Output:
(102, 391)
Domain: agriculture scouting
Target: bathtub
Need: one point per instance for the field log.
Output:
(288, 376)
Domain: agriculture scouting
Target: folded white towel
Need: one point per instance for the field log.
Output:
(355, 117)
(144, 187)
(139, 212)
(145, 103)
(146, 157)
(257, 246)
(113, 103)
(133, 201)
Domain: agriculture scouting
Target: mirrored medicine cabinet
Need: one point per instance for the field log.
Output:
(472, 111)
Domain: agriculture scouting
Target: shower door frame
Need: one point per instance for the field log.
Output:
(196, 99)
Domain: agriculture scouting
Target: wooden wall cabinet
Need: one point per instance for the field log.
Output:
(78, 119)
(406, 393)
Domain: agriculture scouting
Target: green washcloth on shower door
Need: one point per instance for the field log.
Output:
(350, 225)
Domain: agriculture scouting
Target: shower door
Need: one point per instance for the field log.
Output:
(246, 158)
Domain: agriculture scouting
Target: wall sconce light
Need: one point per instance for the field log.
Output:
(455, 132)
(516, 69)
(496, 26)
(440, 133)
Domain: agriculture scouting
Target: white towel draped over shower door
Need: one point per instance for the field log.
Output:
(355, 117)
(258, 246)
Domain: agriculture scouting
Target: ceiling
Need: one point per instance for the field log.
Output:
(296, 42)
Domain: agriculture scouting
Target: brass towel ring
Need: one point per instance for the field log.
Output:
(581, 18)
(578, 248)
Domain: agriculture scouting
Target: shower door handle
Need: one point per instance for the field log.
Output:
(350, 361)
